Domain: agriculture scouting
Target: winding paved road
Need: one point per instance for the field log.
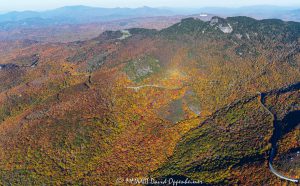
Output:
(154, 86)
(272, 152)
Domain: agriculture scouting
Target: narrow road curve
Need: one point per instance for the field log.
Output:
(137, 88)
(273, 149)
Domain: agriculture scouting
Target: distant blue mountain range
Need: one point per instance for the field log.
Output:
(85, 14)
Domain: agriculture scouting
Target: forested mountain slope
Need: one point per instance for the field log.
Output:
(181, 101)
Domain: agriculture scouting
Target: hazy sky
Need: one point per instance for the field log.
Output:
(10, 5)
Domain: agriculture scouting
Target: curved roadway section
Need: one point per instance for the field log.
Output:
(154, 86)
(272, 152)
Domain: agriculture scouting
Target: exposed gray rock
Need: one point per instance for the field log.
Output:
(226, 29)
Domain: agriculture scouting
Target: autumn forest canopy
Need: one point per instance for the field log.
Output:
(200, 97)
